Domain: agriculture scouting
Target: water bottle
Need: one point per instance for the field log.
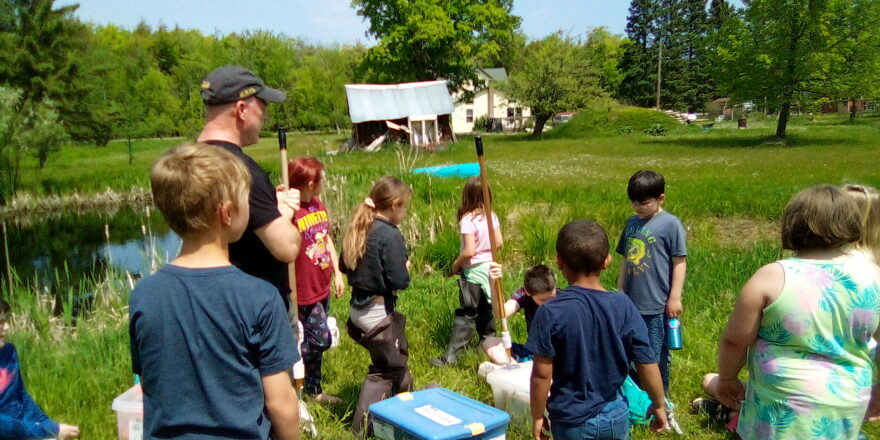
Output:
(673, 334)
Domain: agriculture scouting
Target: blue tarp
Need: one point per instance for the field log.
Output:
(460, 170)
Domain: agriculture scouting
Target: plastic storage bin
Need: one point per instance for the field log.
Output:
(511, 389)
(437, 414)
(129, 407)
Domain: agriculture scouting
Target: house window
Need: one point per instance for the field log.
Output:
(470, 115)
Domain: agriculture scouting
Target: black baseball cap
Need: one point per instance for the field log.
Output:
(231, 83)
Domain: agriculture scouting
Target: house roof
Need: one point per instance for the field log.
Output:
(380, 102)
(496, 74)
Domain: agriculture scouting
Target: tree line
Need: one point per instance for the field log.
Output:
(63, 80)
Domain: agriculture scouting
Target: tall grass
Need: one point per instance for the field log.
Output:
(728, 186)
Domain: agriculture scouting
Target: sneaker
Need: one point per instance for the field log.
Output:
(327, 399)
(712, 408)
(486, 368)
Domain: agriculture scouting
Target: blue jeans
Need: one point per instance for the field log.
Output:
(657, 336)
(612, 423)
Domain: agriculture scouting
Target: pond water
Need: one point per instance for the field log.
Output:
(52, 251)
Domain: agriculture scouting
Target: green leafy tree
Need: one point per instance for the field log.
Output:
(25, 128)
(553, 75)
(605, 51)
(160, 104)
(422, 40)
(780, 50)
(319, 96)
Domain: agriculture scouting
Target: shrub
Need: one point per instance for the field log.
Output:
(482, 123)
(656, 130)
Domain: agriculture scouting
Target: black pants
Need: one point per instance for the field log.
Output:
(389, 374)
(475, 307)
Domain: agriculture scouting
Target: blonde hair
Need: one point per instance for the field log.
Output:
(868, 201)
(190, 182)
(386, 193)
(820, 217)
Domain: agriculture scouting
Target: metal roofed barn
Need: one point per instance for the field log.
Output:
(415, 113)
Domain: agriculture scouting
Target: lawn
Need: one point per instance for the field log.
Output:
(728, 186)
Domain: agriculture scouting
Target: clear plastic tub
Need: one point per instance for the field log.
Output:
(129, 407)
(510, 388)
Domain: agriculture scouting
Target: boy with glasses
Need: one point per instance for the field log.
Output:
(654, 250)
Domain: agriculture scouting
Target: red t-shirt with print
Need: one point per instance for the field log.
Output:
(314, 267)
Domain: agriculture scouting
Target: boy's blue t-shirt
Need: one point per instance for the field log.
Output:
(592, 337)
(20, 416)
(648, 247)
(202, 339)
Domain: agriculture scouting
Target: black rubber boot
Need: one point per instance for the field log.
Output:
(462, 331)
(375, 388)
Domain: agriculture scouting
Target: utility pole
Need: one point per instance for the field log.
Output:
(659, 72)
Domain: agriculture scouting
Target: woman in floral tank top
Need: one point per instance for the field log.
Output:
(806, 326)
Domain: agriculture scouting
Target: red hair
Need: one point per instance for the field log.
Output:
(304, 170)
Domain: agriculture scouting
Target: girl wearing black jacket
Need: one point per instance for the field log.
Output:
(374, 259)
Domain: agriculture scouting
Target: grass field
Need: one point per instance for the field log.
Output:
(728, 186)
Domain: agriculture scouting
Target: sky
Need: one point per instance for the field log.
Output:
(329, 21)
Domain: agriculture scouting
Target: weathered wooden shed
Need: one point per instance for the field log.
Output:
(416, 113)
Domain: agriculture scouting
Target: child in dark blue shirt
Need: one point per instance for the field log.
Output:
(584, 340)
(213, 345)
(20, 416)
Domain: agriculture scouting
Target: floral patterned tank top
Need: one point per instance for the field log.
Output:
(810, 368)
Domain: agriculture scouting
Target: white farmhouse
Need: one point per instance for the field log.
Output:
(487, 101)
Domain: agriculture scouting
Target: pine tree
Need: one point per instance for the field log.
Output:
(719, 12)
(686, 83)
(39, 64)
(639, 62)
(679, 29)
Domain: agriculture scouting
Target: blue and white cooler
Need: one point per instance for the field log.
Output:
(437, 414)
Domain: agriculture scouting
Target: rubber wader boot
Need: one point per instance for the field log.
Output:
(462, 331)
(375, 388)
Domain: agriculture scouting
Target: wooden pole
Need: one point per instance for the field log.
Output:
(291, 268)
(8, 262)
(659, 73)
(497, 291)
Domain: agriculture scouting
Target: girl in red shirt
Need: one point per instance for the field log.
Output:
(316, 264)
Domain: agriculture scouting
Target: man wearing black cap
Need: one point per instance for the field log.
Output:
(236, 100)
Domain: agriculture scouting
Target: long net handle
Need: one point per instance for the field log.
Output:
(496, 286)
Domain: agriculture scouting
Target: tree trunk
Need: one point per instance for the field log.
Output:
(784, 111)
(852, 109)
(540, 120)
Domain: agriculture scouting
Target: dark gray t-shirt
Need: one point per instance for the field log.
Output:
(202, 339)
(648, 247)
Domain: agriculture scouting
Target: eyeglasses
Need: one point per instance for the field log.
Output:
(643, 202)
